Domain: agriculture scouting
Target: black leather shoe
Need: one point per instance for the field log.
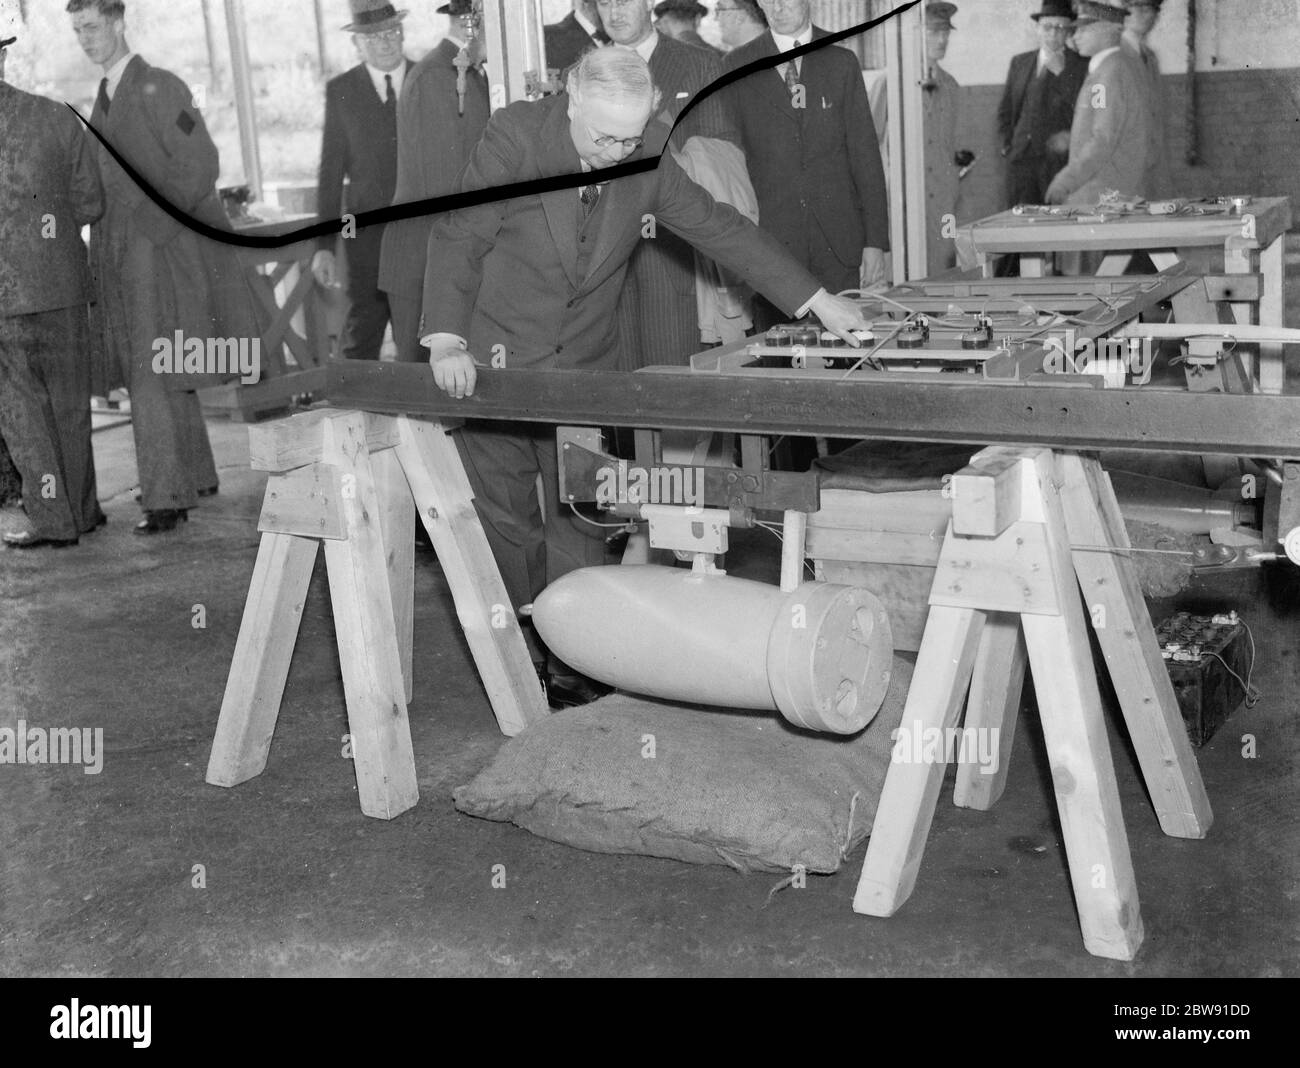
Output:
(161, 521)
(28, 539)
(571, 691)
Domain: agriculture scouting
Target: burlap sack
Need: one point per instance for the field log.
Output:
(742, 789)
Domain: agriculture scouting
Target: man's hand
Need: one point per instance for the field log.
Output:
(454, 371)
(1056, 192)
(873, 268)
(1059, 143)
(840, 316)
(323, 268)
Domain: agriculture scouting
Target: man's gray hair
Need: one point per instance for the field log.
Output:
(614, 73)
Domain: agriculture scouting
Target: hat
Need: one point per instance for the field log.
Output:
(373, 16)
(457, 8)
(938, 16)
(1094, 11)
(1055, 9)
(687, 9)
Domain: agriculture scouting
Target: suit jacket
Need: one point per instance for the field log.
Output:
(941, 108)
(681, 71)
(1110, 140)
(359, 144)
(1033, 109)
(1158, 161)
(434, 142)
(817, 170)
(566, 41)
(522, 275)
(154, 275)
(49, 186)
(690, 37)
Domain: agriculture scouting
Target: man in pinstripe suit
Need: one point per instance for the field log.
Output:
(658, 314)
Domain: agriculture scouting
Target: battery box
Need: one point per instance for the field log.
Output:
(1198, 651)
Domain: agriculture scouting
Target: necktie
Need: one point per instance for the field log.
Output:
(792, 76)
(601, 36)
(589, 196)
(101, 99)
(390, 98)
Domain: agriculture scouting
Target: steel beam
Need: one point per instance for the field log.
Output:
(977, 413)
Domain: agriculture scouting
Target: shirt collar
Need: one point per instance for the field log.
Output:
(1044, 55)
(784, 43)
(1101, 58)
(647, 47)
(115, 72)
(377, 79)
(1135, 42)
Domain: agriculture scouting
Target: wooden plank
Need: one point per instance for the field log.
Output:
(286, 444)
(874, 547)
(1013, 572)
(1272, 313)
(1087, 798)
(445, 504)
(1233, 287)
(304, 502)
(367, 637)
(985, 496)
(997, 682)
(1114, 264)
(263, 653)
(1128, 642)
(906, 808)
(793, 538)
(397, 524)
(911, 512)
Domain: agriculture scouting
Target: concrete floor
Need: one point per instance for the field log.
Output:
(96, 872)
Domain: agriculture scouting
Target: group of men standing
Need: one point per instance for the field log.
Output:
(155, 281)
(1077, 123)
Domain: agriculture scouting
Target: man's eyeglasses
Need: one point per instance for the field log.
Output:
(606, 141)
(383, 37)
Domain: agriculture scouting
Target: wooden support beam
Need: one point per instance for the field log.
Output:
(364, 624)
(304, 502)
(986, 495)
(997, 683)
(263, 652)
(445, 503)
(286, 444)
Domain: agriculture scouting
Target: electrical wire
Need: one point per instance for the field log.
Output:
(629, 526)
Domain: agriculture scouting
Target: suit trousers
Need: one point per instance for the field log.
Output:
(405, 310)
(1028, 178)
(363, 330)
(534, 542)
(45, 418)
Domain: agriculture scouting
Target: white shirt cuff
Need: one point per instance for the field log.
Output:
(444, 341)
(809, 303)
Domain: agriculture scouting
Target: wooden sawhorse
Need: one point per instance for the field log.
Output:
(354, 481)
(1029, 528)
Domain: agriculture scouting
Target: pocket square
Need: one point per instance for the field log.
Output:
(682, 96)
(827, 104)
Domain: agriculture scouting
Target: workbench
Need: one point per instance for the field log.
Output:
(1252, 239)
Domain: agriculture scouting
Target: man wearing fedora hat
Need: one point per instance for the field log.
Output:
(680, 20)
(435, 136)
(1037, 106)
(1110, 138)
(359, 146)
(50, 189)
(941, 111)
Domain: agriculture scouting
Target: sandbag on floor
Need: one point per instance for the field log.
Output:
(723, 787)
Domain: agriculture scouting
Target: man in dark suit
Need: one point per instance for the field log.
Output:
(50, 189)
(1037, 106)
(155, 277)
(1142, 18)
(533, 282)
(360, 145)
(578, 32)
(680, 20)
(659, 314)
(434, 141)
(813, 153)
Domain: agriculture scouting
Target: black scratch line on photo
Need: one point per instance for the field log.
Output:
(456, 201)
